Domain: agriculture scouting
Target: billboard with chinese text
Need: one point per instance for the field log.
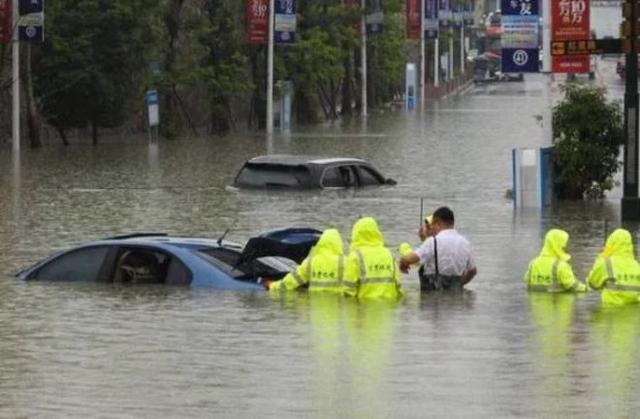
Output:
(414, 11)
(256, 21)
(570, 21)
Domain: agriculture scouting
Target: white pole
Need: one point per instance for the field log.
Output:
(547, 129)
(422, 59)
(16, 81)
(436, 61)
(363, 56)
(450, 63)
(270, 68)
(462, 47)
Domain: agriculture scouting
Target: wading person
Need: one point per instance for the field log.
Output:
(424, 232)
(323, 269)
(446, 256)
(371, 267)
(550, 271)
(616, 271)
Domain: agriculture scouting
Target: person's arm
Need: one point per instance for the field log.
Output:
(568, 279)
(598, 274)
(469, 275)
(292, 280)
(351, 279)
(470, 272)
(420, 255)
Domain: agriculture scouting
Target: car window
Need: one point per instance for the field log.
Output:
(143, 265)
(338, 177)
(78, 265)
(367, 176)
(262, 175)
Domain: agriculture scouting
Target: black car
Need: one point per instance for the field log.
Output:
(304, 172)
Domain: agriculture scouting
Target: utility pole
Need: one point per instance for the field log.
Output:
(363, 57)
(422, 58)
(15, 124)
(630, 204)
(269, 126)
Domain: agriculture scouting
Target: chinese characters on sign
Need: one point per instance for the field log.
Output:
(570, 22)
(257, 21)
(375, 18)
(520, 36)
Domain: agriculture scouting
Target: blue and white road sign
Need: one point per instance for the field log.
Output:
(153, 108)
(520, 60)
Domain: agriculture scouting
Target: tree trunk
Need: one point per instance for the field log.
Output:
(63, 135)
(33, 118)
(347, 94)
(171, 126)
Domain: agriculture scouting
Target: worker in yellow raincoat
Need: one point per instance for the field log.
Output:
(550, 271)
(371, 268)
(616, 271)
(323, 269)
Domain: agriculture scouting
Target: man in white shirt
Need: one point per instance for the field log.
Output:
(446, 256)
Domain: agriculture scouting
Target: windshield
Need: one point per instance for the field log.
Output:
(265, 175)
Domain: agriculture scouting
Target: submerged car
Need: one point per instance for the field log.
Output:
(161, 259)
(303, 172)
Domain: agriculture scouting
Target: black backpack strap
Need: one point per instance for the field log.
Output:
(435, 252)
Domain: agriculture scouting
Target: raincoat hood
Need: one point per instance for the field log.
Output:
(619, 243)
(330, 243)
(365, 233)
(554, 243)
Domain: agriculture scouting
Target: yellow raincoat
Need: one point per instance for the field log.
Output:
(323, 269)
(371, 268)
(550, 271)
(616, 271)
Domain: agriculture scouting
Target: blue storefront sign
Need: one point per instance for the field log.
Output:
(520, 60)
(520, 36)
(285, 22)
(431, 25)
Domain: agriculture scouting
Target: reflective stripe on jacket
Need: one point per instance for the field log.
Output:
(374, 274)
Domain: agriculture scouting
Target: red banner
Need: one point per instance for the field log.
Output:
(414, 12)
(257, 21)
(6, 21)
(570, 20)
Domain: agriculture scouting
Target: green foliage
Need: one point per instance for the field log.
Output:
(588, 131)
(91, 67)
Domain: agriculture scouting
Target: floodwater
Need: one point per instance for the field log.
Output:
(86, 350)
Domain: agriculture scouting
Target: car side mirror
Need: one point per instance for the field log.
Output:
(389, 181)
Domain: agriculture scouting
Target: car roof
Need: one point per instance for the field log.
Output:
(163, 240)
(293, 160)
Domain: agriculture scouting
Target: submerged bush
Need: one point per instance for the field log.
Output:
(587, 133)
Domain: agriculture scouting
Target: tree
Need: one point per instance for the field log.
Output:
(588, 131)
(93, 62)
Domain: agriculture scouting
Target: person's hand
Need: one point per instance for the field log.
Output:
(266, 283)
(404, 265)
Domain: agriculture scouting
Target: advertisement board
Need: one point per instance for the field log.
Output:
(256, 21)
(570, 21)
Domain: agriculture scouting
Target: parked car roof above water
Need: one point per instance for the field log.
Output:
(308, 172)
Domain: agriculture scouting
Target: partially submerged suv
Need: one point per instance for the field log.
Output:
(303, 172)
